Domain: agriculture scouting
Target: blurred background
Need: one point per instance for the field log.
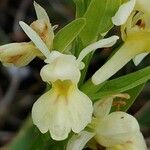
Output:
(19, 88)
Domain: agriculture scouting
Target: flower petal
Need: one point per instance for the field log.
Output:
(99, 44)
(50, 112)
(78, 141)
(123, 13)
(35, 38)
(42, 111)
(116, 128)
(127, 52)
(137, 59)
(103, 107)
(48, 30)
(40, 12)
(137, 142)
(80, 108)
(60, 124)
(143, 6)
(62, 67)
(17, 54)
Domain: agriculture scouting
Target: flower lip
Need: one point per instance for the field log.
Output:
(62, 109)
(63, 87)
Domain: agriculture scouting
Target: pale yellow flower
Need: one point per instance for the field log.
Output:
(21, 54)
(64, 107)
(134, 18)
(115, 131)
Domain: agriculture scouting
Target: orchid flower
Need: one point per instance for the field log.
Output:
(21, 54)
(134, 18)
(64, 107)
(115, 131)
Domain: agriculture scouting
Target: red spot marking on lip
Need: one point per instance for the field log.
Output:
(141, 24)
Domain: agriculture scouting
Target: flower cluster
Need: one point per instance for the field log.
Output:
(64, 107)
(115, 131)
(133, 16)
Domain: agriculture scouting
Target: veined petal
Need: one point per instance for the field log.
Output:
(128, 51)
(35, 38)
(62, 67)
(18, 54)
(103, 107)
(50, 113)
(123, 13)
(80, 109)
(139, 142)
(60, 124)
(116, 128)
(108, 42)
(136, 143)
(78, 141)
(137, 59)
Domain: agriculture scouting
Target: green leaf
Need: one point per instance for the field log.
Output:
(96, 20)
(106, 22)
(29, 138)
(120, 84)
(80, 8)
(66, 35)
(95, 17)
(24, 139)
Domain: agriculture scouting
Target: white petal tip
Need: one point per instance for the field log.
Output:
(137, 60)
(78, 141)
(35, 3)
(123, 13)
(108, 42)
(97, 81)
(21, 23)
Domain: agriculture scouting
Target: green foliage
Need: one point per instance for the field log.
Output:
(98, 11)
(80, 8)
(29, 138)
(118, 85)
(96, 15)
(23, 140)
(65, 36)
